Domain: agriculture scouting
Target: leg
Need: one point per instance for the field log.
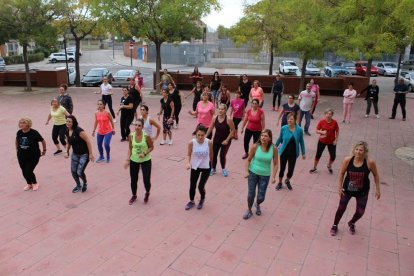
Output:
(99, 140)
(123, 123)
(177, 114)
(146, 174)
(256, 136)
(28, 165)
(343, 203)
(261, 194)
(394, 108)
(283, 162)
(205, 173)
(62, 136)
(194, 175)
(74, 164)
(279, 98)
(223, 154)
(345, 110)
(375, 107)
(301, 117)
(274, 99)
(107, 142)
(216, 148)
(368, 106)
(129, 120)
(109, 102)
(252, 182)
(307, 121)
(402, 103)
(361, 204)
(332, 154)
(133, 172)
(247, 136)
(83, 162)
(291, 166)
(320, 148)
(349, 111)
(55, 135)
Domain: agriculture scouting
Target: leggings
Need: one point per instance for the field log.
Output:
(146, 175)
(360, 208)
(321, 148)
(107, 99)
(126, 120)
(375, 103)
(401, 102)
(290, 159)
(247, 136)
(347, 111)
(77, 166)
(28, 164)
(177, 111)
(256, 181)
(106, 140)
(59, 131)
(223, 152)
(236, 122)
(277, 95)
(195, 174)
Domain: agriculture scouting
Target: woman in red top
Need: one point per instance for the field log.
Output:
(255, 121)
(328, 131)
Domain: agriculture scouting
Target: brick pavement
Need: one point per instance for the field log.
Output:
(55, 232)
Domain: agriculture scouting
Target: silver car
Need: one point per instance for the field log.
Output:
(349, 65)
(387, 68)
(2, 64)
(408, 78)
(123, 77)
(72, 74)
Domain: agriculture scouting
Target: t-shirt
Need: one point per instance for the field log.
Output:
(106, 89)
(135, 96)
(215, 85)
(58, 115)
(79, 145)
(196, 77)
(289, 109)
(28, 143)
(166, 106)
(254, 122)
(238, 108)
(306, 100)
(175, 97)
(331, 128)
(204, 114)
(245, 88)
(126, 101)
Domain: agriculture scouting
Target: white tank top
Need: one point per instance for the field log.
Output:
(200, 157)
(148, 127)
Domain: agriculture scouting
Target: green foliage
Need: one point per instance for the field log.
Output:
(19, 59)
(222, 32)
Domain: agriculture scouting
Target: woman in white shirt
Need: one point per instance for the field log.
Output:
(106, 91)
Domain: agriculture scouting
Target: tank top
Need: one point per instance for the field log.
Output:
(139, 148)
(257, 94)
(79, 145)
(148, 127)
(356, 181)
(200, 157)
(197, 95)
(222, 130)
(261, 161)
(254, 122)
(104, 124)
(223, 98)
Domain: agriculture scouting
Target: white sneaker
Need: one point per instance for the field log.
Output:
(114, 121)
(162, 142)
(366, 115)
(170, 142)
(176, 126)
(377, 116)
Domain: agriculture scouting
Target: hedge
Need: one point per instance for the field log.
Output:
(19, 59)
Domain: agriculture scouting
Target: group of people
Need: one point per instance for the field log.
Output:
(212, 138)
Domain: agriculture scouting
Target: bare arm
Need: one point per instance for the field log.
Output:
(85, 138)
(245, 119)
(94, 126)
(275, 163)
(341, 174)
(48, 118)
(127, 161)
(44, 147)
(279, 116)
(373, 168)
(210, 128)
(157, 126)
(249, 159)
(262, 117)
(232, 131)
(189, 153)
(210, 150)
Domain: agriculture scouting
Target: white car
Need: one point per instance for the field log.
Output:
(408, 78)
(387, 68)
(59, 57)
(312, 70)
(72, 74)
(288, 67)
(72, 50)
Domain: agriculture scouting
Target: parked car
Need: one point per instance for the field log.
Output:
(72, 50)
(361, 68)
(59, 57)
(335, 71)
(407, 64)
(95, 76)
(2, 64)
(408, 78)
(387, 68)
(122, 77)
(288, 67)
(349, 65)
(72, 74)
(312, 70)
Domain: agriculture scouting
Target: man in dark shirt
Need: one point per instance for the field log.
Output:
(400, 90)
(372, 98)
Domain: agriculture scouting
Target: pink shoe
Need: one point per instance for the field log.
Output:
(27, 187)
(35, 187)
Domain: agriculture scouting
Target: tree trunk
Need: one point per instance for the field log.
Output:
(26, 67)
(303, 74)
(77, 79)
(157, 64)
(271, 59)
(369, 66)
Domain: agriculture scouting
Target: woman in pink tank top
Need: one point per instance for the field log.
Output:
(257, 93)
(106, 128)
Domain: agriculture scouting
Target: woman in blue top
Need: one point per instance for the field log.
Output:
(258, 170)
(290, 138)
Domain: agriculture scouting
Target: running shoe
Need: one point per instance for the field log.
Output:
(248, 214)
(258, 210)
(84, 187)
(307, 133)
(225, 173)
(245, 156)
(189, 205)
(366, 115)
(132, 200)
(100, 160)
(334, 230)
(278, 186)
(76, 189)
(377, 116)
(330, 169)
(200, 204)
(146, 197)
(57, 152)
(35, 187)
(108, 160)
(170, 142)
(351, 228)
(27, 187)
(287, 182)
(212, 172)
(162, 142)
(314, 170)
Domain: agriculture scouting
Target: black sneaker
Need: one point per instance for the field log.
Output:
(351, 228)
(189, 205)
(76, 189)
(146, 197)
(200, 204)
(330, 169)
(278, 186)
(334, 230)
(258, 210)
(57, 152)
(132, 200)
(287, 182)
(314, 170)
(307, 133)
(84, 187)
(248, 214)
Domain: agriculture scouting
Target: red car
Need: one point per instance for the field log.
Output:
(361, 68)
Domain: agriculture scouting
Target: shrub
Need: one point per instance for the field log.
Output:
(19, 59)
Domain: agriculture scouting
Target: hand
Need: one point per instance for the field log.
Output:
(66, 155)
(341, 192)
(334, 143)
(225, 143)
(141, 155)
(93, 133)
(91, 158)
(43, 153)
(96, 92)
(46, 123)
(188, 166)
(303, 157)
(377, 194)
(126, 165)
(273, 180)
(113, 132)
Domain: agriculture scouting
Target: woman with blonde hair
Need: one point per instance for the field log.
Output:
(58, 115)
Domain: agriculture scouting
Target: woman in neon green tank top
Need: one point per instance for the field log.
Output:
(258, 171)
(140, 145)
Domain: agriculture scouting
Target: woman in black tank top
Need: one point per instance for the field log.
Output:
(356, 184)
(222, 138)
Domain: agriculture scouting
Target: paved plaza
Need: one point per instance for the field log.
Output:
(54, 232)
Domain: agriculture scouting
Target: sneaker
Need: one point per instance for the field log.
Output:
(334, 230)
(314, 170)
(351, 228)
(27, 187)
(392, 118)
(176, 126)
(200, 204)
(76, 189)
(114, 121)
(307, 133)
(287, 182)
(245, 156)
(84, 187)
(278, 186)
(403, 119)
(57, 152)
(162, 142)
(212, 172)
(189, 205)
(170, 143)
(35, 187)
(123, 139)
(132, 200)
(366, 115)
(258, 210)
(312, 117)
(343, 121)
(248, 214)
(100, 160)
(108, 160)
(377, 116)
(146, 197)
(225, 173)
(330, 169)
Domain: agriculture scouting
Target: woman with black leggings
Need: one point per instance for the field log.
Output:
(178, 100)
(357, 168)
(126, 108)
(57, 114)
(277, 91)
(255, 121)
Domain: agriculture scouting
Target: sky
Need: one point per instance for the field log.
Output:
(230, 13)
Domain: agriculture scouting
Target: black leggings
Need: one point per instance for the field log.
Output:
(277, 95)
(223, 152)
(361, 202)
(126, 120)
(236, 122)
(321, 148)
(107, 99)
(247, 136)
(28, 164)
(195, 174)
(177, 110)
(59, 131)
(290, 159)
(146, 175)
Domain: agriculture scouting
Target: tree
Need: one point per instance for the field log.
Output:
(158, 21)
(222, 32)
(29, 21)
